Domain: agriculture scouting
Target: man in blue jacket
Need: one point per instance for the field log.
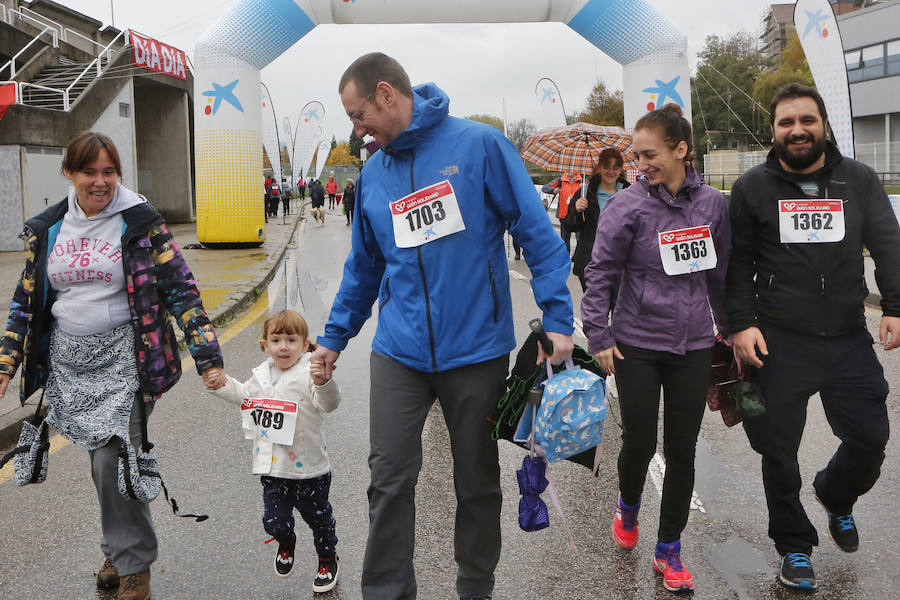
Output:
(432, 207)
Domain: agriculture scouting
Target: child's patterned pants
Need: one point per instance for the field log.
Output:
(310, 498)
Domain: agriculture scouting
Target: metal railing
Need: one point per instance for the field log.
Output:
(64, 32)
(15, 85)
(36, 24)
(23, 85)
(99, 66)
(11, 63)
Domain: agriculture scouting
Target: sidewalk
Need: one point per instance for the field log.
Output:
(229, 281)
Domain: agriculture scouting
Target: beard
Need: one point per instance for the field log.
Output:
(800, 159)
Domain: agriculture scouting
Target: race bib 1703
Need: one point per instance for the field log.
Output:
(687, 250)
(811, 221)
(426, 215)
(269, 419)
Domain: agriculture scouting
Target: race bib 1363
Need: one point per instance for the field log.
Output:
(269, 419)
(811, 221)
(687, 250)
(426, 215)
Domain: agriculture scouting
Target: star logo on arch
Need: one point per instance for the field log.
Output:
(226, 93)
(548, 95)
(665, 90)
(816, 21)
(312, 113)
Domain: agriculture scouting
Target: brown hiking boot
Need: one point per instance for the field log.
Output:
(135, 587)
(108, 576)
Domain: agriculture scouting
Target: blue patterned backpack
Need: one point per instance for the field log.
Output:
(571, 416)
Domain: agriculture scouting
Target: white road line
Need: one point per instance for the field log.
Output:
(517, 275)
(578, 328)
(658, 472)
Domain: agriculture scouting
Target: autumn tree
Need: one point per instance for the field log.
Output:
(355, 143)
(340, 155)
(603, 107)
(488, 119)
(791, 67)
(518, 132)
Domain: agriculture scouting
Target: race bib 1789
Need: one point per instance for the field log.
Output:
(426, 215)
(269, 419)
(810, 221)
(687, 250)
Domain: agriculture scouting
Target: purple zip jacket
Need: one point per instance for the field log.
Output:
(655, 311)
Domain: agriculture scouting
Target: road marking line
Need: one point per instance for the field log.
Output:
(578, 328)
(517, 275)
(657, 474)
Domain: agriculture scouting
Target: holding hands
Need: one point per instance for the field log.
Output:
(317, 370)
(214, 378)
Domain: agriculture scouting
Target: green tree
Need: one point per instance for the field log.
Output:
(791, 67)
(603, 107)
(488, 119)
(519, 131)
(724, 115)
(333, 142)
(355, 143)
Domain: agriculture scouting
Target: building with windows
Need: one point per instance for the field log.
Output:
(871, 40)
(778, 23)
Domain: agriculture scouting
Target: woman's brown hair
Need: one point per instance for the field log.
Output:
(84, 148)
(669, 119)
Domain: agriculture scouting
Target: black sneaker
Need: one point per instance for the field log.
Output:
(284, 560)
(797, 572)
(327, 576)
(842, 529)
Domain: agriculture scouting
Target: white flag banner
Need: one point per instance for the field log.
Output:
(288, 144)
(324, 151)
(821, 40)
(309, 132)
(553, 113)
(270, 133)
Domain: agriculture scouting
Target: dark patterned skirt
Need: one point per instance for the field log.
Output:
(91, 385)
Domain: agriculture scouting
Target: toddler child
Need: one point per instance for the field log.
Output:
(295, 474)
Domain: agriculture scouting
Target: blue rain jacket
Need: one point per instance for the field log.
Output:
(446, 303)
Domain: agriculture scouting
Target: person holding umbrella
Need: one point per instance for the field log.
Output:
(667, 239)
(584, 209)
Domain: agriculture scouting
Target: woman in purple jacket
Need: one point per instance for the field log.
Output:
(668, 238)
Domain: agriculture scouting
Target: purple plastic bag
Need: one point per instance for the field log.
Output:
(533, 515)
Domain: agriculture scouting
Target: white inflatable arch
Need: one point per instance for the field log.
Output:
(230, 55)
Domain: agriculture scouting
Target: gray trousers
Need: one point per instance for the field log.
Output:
(400, 399)
(128, 540)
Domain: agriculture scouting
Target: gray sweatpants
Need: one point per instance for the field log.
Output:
(400, 399)
(129, 539)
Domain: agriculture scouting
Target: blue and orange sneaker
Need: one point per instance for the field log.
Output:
(625, 525)
(667, 560)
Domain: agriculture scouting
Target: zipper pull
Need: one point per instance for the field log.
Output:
(771, 279)
(822, 279)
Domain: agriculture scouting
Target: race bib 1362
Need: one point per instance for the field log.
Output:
(811, 221)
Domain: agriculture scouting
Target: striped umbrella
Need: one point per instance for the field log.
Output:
(575, 148)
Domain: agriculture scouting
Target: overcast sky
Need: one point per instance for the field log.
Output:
(477, 65)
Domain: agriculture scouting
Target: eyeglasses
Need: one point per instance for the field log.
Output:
(358, 116)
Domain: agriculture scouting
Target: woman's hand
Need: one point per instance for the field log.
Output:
(4, 383)
(213, 378)
(581, 204)
(605, 358)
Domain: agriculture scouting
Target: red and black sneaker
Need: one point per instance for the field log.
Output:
(327, 576)
(284, 560)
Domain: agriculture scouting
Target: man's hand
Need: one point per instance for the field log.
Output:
(317, 370)
(581, 204)
(562, 348)
(213, 378)
(745, 344)
(327, 357)
(4, 383)
(605, 358)
(888, 333)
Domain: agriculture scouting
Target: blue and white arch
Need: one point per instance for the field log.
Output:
(231, 54)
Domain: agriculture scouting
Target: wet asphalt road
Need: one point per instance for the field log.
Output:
(50, 532)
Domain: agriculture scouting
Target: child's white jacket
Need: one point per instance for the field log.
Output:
(307, 458)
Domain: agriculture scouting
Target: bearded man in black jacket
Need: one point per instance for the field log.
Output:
(796, 290)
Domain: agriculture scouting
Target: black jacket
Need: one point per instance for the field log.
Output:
(586, 223)
(317, 195)
(817, 289)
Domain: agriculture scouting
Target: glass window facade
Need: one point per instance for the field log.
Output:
(873, 62)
